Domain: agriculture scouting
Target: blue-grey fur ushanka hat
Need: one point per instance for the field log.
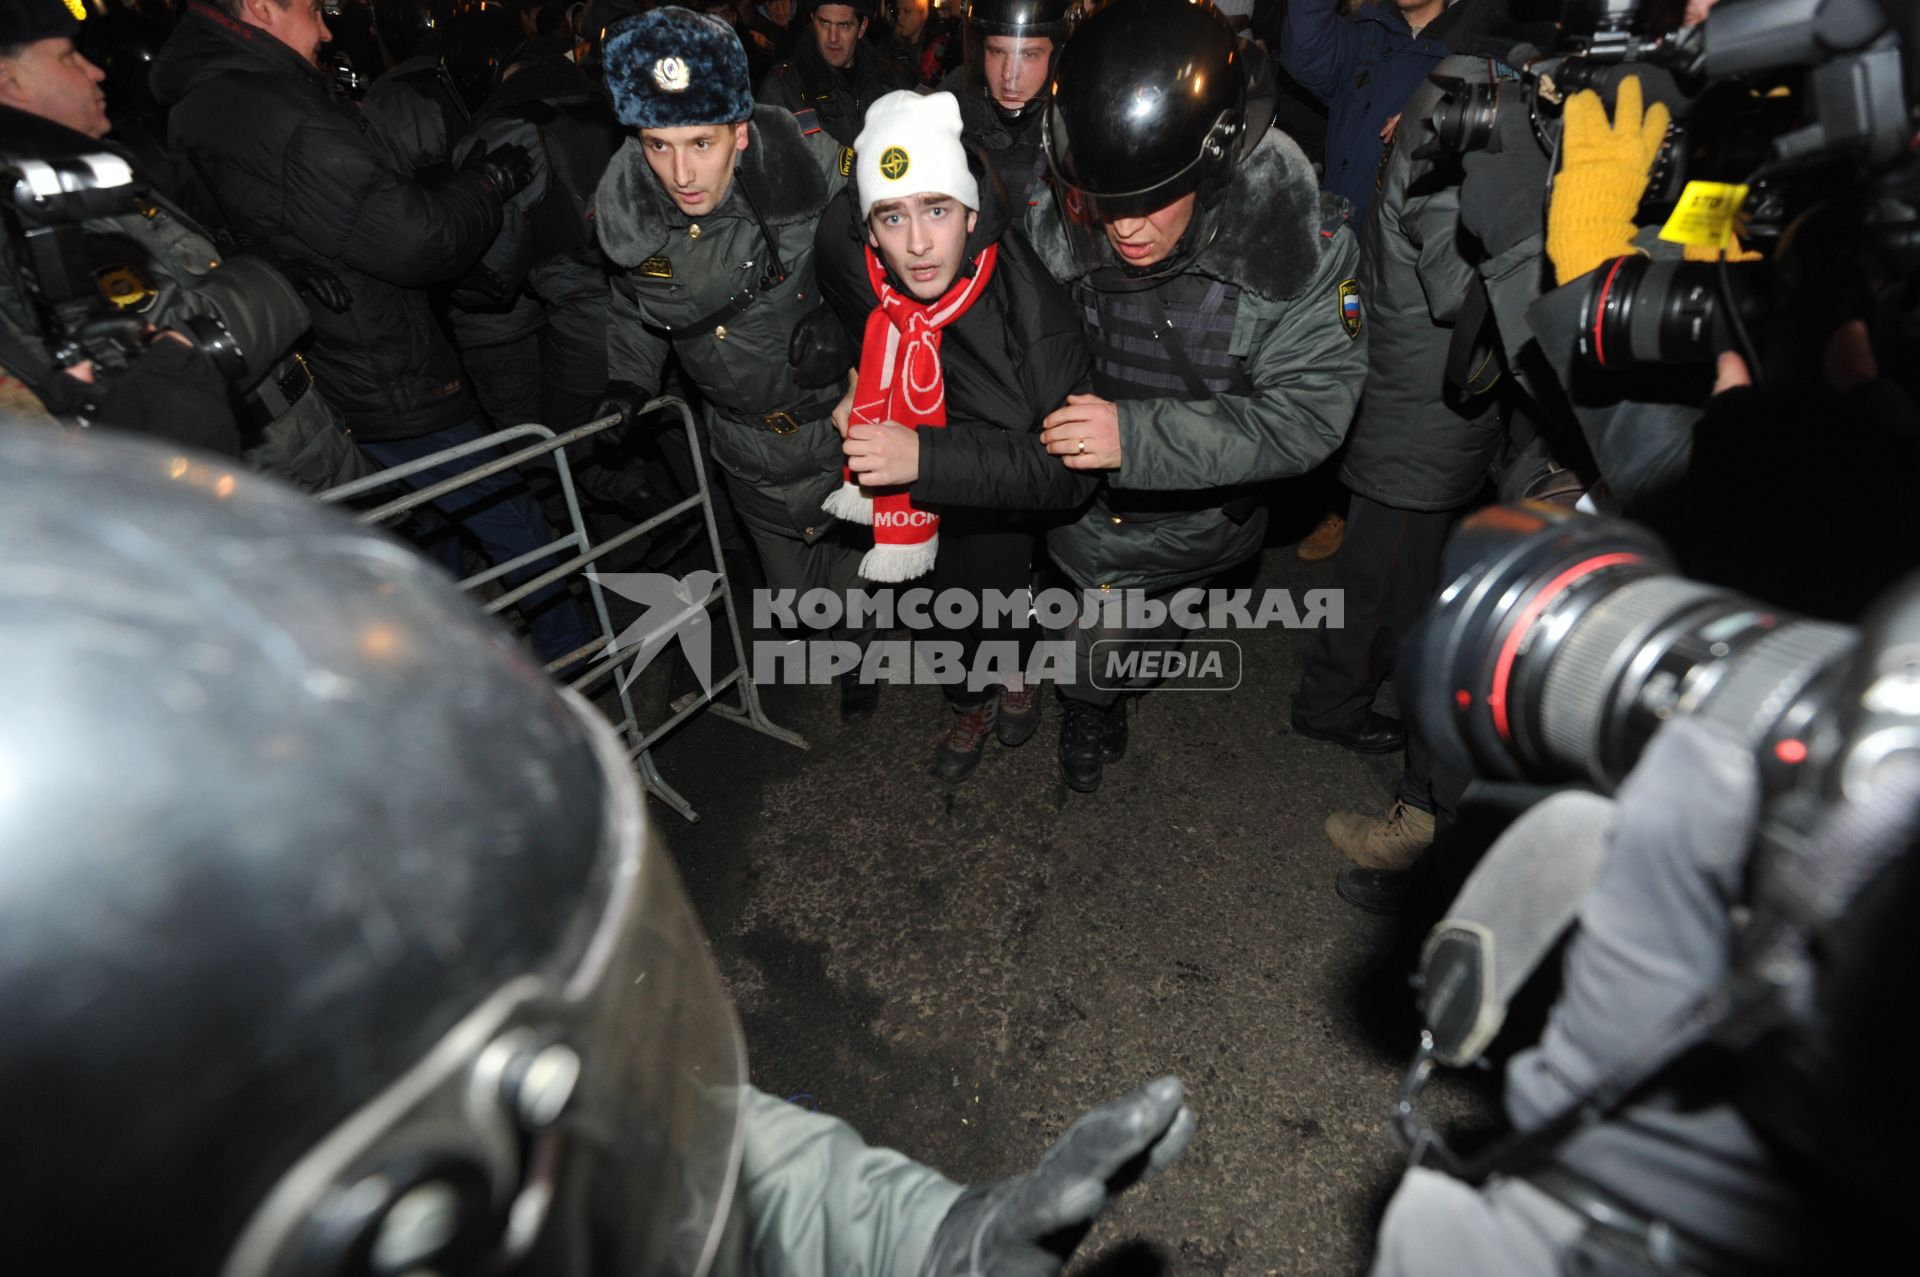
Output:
(674, 67)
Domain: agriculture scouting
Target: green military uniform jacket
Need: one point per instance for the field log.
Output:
(1298, 333)
(774, 437)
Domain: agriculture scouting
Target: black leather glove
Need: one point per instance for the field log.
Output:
(1028, 1227)
(622, 399)
(319, 283)
(1502, 200)
(506, 169)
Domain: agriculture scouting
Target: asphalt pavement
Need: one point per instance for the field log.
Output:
(960, 970)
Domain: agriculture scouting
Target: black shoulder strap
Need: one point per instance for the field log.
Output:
(1473, 354)
(1163, 326)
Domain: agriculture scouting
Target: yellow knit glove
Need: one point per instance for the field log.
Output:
(1601, 179)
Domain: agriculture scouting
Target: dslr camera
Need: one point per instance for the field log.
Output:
(1559, 644)
(46, 206)
(1801, 102)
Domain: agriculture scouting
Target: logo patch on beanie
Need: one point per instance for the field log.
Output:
(893, 163)
(671, 75)
(1350, 306)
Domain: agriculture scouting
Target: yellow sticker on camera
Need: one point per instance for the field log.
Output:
(1705, 215)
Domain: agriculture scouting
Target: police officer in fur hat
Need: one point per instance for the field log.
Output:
(708, 213)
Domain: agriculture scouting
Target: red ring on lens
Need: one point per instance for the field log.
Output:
(1510, 648)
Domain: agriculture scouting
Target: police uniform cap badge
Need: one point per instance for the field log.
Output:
(671, 75)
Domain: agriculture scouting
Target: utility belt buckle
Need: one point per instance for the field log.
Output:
(780, 423)
(273, 398)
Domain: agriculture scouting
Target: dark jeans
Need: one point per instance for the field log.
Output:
(503, 516)
(976, 556)
(1389, 570)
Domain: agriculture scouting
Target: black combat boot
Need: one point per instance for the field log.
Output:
(1091, 736)
(858, 700)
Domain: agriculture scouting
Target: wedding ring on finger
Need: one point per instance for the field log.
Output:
(1083, 445)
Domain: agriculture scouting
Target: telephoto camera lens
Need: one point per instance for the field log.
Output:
(1640, 311)
(1464, 121)
(1562, 641)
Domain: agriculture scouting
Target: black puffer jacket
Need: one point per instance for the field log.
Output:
(289, 165)
(413, 112)
(1011, 359)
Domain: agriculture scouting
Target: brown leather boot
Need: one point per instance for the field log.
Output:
(1393, 843)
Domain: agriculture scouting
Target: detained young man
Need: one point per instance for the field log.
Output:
(966, 344)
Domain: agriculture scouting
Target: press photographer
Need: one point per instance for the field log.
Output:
(60, 336)
(117, 307)
(1734, 198)
(1711, 1093)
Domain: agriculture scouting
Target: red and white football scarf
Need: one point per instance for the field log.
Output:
(901, 380)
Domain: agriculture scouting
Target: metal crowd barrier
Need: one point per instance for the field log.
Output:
(604, 654)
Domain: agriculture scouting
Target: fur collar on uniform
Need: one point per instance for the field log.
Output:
(634, 214)
(1270, 225)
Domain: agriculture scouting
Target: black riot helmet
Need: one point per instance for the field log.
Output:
(477, 42)
(1149, 103)
(1025, 38)
(332, 939)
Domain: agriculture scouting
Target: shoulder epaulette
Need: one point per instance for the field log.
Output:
(1335, 211)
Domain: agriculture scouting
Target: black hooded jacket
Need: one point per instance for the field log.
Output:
(1013, 357)
(286, 164)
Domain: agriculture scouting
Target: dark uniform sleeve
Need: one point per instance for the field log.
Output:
(781, 88)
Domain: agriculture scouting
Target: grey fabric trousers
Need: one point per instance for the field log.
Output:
(1437, 1226)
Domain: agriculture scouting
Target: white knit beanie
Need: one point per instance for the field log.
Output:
(911, 146)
